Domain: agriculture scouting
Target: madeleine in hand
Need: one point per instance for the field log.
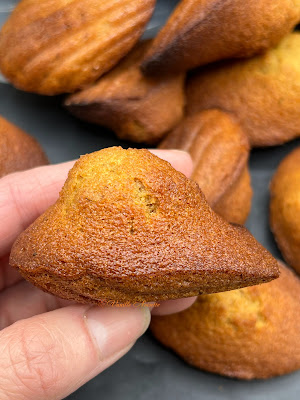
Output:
(18, 150)
(201, 32)
(128, 227)
(262, 92)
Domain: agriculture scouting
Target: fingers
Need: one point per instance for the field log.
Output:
(23, 300)
(173, 306)
(50, 356)
(26, 195)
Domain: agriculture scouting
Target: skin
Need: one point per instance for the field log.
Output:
(43, 337)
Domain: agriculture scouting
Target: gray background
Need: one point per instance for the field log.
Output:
(149, 371)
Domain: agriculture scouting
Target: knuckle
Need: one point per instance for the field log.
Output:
(31, 361)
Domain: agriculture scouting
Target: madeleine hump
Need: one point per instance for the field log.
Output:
(60, 46)
(250, 333)
(135, 107)
(18, 150)
(201, 32)
(220, 151)
(128, 227)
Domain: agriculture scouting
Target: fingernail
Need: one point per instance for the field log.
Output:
(113, 329)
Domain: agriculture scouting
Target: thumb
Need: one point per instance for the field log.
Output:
(51, 355)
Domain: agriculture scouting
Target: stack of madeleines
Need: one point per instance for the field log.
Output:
(170, 238)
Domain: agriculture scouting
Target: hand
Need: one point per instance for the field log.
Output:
(55, 347)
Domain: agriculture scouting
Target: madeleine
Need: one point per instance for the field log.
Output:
(59, 46)
(220, 151)
(129, 227)
(263, 92)
(201, 32)
(250, 333)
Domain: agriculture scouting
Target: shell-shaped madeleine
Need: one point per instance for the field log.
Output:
(135, 107)
(263, 93)
(220, 151)
(18, 150)
(247, 333)
(201, 32)
(285, 208)
(59, 46)
(128, 227)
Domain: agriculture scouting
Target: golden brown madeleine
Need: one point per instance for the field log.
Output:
(18, 150)
(247, 333)
(200, 32)
(136, 108)
(59, 46)
(129, 227)
(235, 204)
(220, 151)
(262, 92)
(285, 208)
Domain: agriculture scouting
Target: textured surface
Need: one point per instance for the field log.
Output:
(285, 208)
(129, 227)
(235, 204)
(220, 151)
(247, 333)
(200, 32)
(263, 92)
(160, 373)
(135, 107)
(58, 46)
(18, 151)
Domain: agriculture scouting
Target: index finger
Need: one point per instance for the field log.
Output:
(26, 195)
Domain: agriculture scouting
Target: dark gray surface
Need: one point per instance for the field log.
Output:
(149, 371)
